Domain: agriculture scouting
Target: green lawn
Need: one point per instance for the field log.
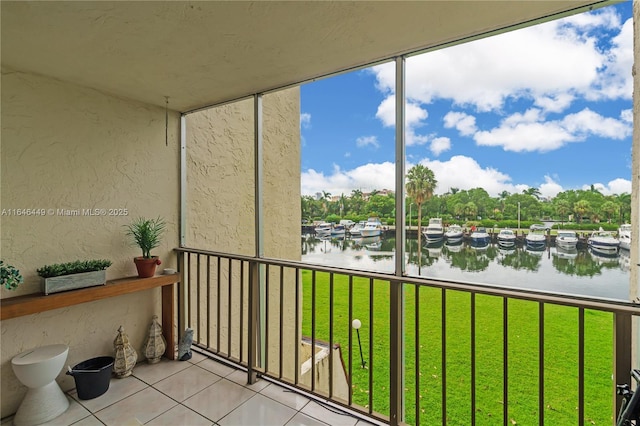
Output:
(561, 354)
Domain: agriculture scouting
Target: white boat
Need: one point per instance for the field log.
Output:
(338, 231)
(603, 242)
(567, 240)
(356, 229)
(506, 238)
(536, 239)
(479, 237)
(454, 234)
(372, 228)
(434, 232)
(624, 235)
(323, 229)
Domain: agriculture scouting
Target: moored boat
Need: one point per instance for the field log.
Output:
(338, 231)
(323, 229)
(454, 234)
(624, 235)
(536, 240)
(372, 228)
(603, 241)
(356, 229)
(434, 232)
(567, 240)
(479, 237)
(506, 238)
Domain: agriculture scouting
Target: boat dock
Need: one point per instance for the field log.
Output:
(412, 231)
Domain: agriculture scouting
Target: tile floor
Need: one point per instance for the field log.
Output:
(205, 392)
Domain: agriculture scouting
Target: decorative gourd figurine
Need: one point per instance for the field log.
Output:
(126, 356)
(154, 344)
(184, 346)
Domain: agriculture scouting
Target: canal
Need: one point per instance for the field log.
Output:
(580, 272)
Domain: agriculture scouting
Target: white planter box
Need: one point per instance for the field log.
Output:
(73, 281)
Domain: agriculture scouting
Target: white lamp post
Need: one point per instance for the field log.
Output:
(356, 323)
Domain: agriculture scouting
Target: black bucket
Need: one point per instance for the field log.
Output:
(92, 376)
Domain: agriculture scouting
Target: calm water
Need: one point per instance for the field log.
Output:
(581, 272)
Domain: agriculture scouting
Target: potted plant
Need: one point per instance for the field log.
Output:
(10, 276)
(146, 234)
(73, 275)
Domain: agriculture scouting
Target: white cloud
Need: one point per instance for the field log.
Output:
(627, 116)
(557, 102)
(448, 174)
(366, 178)
(605, 17)
(364, 141)
(464, 123)
(615, 187)
(549, 188)
(587, 122)
(415, 116)
(530, 132)
(552, 64)
(305, 120)
(440, 145)
(615, 80)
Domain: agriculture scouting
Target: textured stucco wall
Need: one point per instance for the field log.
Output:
(220, 202)
(69, 147)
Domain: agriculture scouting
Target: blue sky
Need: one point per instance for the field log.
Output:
(548, 106)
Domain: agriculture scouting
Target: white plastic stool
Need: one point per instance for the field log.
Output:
(37, 369)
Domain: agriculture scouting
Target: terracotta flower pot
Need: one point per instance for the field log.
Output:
(146, 267)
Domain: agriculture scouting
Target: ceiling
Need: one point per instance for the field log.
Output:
(202, 53)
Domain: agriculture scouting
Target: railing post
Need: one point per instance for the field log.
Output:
(254, 293)
(621, 354)
(395, 353)
(182, 311)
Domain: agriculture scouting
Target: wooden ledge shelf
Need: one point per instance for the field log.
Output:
(14, 307)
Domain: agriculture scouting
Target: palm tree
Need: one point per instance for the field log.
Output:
(581, 208)
(534, 192)
(609, 208)
(421, 183)
(563, 208)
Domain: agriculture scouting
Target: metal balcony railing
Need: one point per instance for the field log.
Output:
(428, 351)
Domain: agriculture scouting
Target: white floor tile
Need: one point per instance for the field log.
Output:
(180, 415)
(259, 410)
(144, 406)
(186, 383)
(89, 421)
(240, 377)
(219, 399)
(216, 367)
(152, 373)
(304, 420)
(285, 396)
(329, 415)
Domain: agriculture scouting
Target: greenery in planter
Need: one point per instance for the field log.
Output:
(146, 233)
(76, 267)
(10, 276)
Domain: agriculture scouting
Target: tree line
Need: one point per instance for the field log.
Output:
(460, 205)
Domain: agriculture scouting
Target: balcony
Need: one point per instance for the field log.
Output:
(466, 354)
(200, 391)
(86, 125)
